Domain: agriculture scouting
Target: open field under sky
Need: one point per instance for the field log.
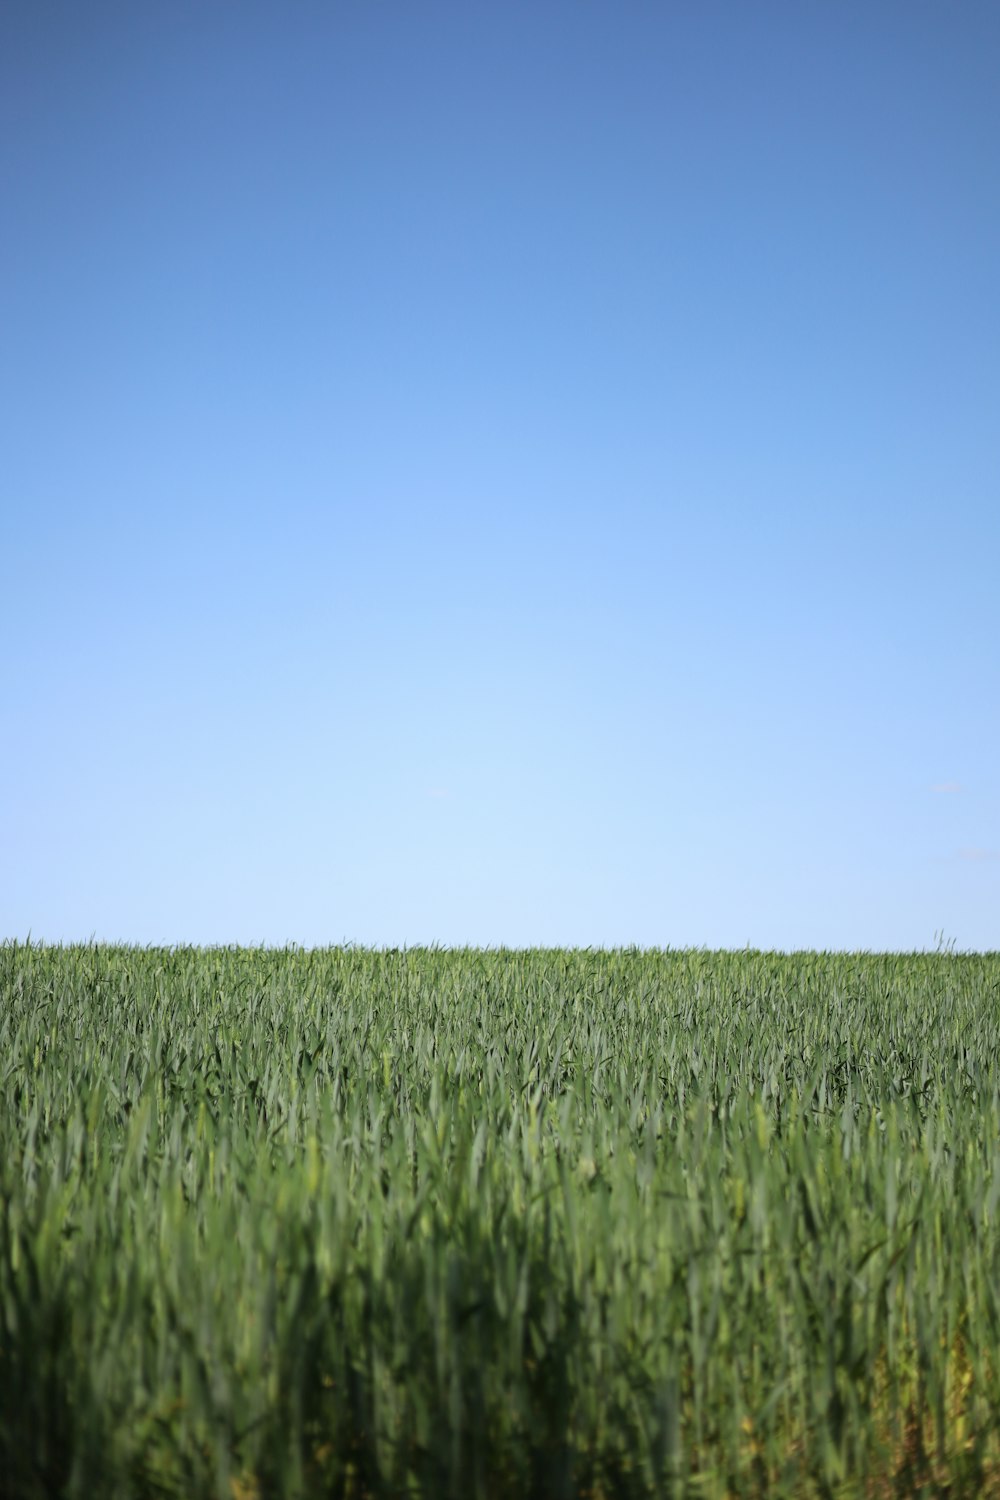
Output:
(498, 1223)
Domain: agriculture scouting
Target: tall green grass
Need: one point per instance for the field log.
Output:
(498, 1224)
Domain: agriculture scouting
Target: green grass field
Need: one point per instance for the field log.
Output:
(498, 1224)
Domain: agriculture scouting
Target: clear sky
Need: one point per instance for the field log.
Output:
(500, 473)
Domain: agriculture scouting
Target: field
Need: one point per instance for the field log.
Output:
(459, 1223)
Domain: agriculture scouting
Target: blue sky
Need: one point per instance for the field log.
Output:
(484, 473)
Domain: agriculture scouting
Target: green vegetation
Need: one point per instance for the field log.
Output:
(498, 1224)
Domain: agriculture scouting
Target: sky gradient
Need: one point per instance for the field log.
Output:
(500, 474)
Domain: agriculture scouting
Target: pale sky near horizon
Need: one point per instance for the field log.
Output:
(500, 473)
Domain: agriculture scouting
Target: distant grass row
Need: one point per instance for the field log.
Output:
(498, 1224)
